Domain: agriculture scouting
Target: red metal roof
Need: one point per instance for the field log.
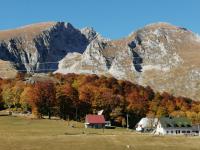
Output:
(95, 119)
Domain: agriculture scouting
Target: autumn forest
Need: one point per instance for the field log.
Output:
(73, 96)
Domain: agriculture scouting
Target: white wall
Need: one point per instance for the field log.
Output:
(172, 130)
(160, 129)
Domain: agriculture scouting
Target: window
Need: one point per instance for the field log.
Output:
(183, 132)
(172, 132)
(178, 131)
(188, 131)
(167, 132)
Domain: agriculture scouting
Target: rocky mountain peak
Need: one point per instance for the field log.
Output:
(91, 34)
(40, 47)
(154, 55)
(161, 25)
(161, 55)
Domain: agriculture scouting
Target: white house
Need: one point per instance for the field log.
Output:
(146, 124)
(173, 126)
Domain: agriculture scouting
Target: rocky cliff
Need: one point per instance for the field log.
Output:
(161, 55)
(39, 47)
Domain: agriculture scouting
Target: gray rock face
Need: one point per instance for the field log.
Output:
(41, 51)
(161, 55)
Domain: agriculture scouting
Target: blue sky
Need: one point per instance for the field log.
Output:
(112, 18)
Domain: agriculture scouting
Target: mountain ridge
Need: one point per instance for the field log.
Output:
(161, 55)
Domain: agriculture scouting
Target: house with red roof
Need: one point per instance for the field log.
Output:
(94, 121)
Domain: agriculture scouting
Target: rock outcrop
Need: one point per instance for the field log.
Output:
(39, 47)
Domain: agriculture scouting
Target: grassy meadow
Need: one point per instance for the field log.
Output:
(25, 134)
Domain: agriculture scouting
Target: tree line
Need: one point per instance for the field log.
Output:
(73, 96)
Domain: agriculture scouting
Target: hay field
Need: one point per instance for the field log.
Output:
(25, 134)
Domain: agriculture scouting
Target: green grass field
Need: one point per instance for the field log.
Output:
(25, 134)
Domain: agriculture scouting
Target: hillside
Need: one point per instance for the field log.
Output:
(74, 96)
(161, 55)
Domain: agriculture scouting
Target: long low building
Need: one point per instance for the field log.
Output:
(174, 126)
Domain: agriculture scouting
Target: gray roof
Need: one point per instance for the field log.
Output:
(176, 122)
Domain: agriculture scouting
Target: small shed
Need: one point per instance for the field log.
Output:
(94, 121)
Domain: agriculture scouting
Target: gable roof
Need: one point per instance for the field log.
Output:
(95, 119)
(147, 122)
(167, 122)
